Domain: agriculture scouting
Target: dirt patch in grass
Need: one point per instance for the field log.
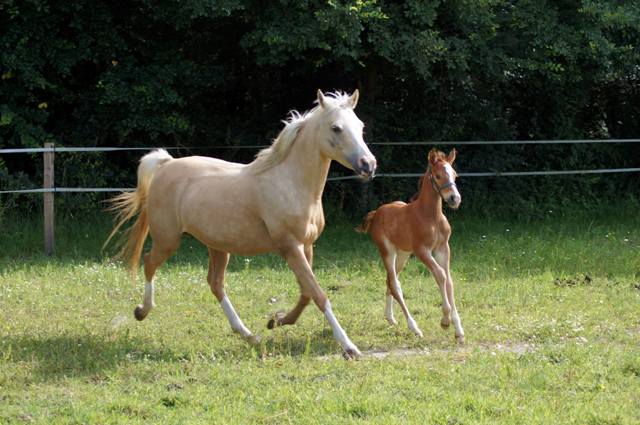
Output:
(577, 280)
(460, 352)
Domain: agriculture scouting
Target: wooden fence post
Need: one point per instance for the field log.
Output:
(49, 218)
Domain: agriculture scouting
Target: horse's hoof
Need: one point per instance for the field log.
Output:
(392, 321)
(460, 339)
(444, 324)
(139, 313)
(351, 353)
(276, 320)
(253, 339)
(419, 333)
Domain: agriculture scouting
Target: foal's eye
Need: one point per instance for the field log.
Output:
(336, 128)
(438, 176)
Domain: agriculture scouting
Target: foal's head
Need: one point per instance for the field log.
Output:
(443, 176)
(340, 132)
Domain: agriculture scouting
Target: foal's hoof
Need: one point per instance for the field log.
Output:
(139, 312)
(460, 339)
(253, 339)
(444, 323)
(413, 327)
(276, 320)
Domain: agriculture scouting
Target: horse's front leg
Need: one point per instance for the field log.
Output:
(443, 258)
(290, 318)
(440, 276)
(297, 261)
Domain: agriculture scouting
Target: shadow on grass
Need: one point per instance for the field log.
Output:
(78, 355)
(68, 356)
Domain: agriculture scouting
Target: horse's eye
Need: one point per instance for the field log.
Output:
(438, 176)
(336, 128)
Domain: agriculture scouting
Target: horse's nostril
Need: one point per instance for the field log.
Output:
(364, 165)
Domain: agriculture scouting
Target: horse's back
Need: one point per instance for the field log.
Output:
(175, 176)
(191, 166)
(388, 226)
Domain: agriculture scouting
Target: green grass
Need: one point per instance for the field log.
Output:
(550, 309)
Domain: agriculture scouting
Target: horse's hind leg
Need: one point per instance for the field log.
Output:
(391, 264)
(218, 261)
(388, 298)
(401, 260)
(160, 251)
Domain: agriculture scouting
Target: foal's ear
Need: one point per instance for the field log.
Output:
(452, 156)
(433, 156)
(321, 100)
(353, 100)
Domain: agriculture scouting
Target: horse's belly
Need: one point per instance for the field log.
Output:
(237, 233)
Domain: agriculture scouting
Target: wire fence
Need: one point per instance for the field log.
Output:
(336, 178)
(402, 143)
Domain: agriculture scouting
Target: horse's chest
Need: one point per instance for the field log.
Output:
(314, 226)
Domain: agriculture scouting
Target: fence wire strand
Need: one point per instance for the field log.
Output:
(338, 178)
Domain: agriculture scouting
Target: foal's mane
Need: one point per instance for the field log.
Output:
(281, 145)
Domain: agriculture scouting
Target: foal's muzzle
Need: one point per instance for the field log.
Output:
(453, 201)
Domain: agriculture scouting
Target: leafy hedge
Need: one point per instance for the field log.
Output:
(224, 73)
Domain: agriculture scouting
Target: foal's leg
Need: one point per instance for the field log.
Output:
(218, 261)
(401, 260)
(160, 251)
(442, 257)
(440, 275)
(297, 261)
(291, 317)
(389, 258)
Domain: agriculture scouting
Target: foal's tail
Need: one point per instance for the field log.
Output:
(128, 204)
(364, 227)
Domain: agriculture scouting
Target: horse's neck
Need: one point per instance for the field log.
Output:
(429, 200)
(308, 167)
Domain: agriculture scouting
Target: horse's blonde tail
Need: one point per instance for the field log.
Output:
(364, 227)
(128, 204)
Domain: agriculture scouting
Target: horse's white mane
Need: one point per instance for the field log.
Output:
(281, 145)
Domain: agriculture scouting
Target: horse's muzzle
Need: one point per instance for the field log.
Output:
(365, 167)
(453, 201)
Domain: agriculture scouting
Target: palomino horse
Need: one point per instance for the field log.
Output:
(420, 227)
(273, 204)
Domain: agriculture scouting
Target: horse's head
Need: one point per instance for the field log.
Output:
(340, 133)
(443, 176)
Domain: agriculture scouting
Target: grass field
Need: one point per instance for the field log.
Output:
(551, 311)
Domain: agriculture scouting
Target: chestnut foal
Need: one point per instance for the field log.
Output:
(420, 227)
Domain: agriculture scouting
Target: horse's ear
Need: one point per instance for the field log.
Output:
(452, 156)
(353, 100)
(321, 101)
(433, 156)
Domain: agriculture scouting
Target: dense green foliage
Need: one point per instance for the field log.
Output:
(550, 311)
(224, 72)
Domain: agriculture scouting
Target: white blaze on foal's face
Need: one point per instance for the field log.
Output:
(451, 195)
